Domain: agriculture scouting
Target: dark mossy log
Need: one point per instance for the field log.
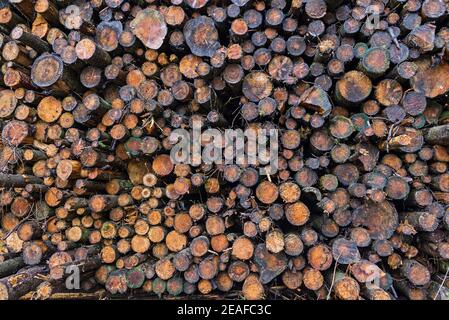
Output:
(368, 155)
(135, 278)
(441, 182)
(17, 180)
(24, 8)
(11, 266)
(84, 186)
(410, 291)
(438, 135)
(24, 281)
(321, 141)
(438, 292)
(436, 250)
(420, 197)
(19, 33)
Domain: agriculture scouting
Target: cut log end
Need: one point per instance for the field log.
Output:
(46, 70)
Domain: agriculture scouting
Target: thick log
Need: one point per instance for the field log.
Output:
(100, 100)
(17, 285)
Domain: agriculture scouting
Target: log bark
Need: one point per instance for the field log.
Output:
(101, 166)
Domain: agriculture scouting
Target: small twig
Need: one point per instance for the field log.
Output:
(333, 278)
(441, 284)
(395, 40)
(213, 252)
(390, 133)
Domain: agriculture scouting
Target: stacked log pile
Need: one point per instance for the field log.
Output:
(91, 91)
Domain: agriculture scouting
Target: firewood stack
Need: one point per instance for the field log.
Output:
(91, 91)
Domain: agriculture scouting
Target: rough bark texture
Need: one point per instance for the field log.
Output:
(92, 94)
